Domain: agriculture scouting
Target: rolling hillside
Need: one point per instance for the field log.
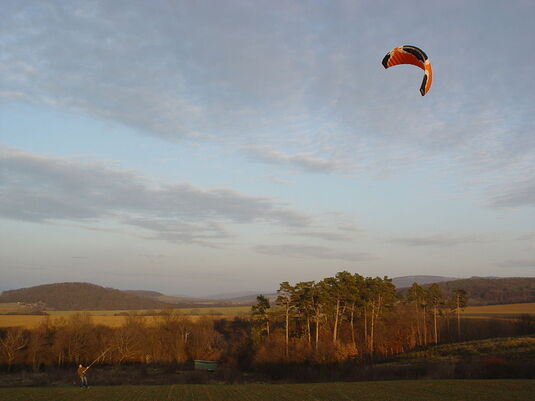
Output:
(80, 296)
(490, 290)
(494, 291)
(407, 281)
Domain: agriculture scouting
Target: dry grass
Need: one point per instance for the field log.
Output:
(500, 310)
(110, 318)
(32, 321)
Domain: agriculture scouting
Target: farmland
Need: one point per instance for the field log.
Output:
(436, 390)
(508, 310)
(112, 318)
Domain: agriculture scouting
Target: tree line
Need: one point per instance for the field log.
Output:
(342, 318)
(352, 316)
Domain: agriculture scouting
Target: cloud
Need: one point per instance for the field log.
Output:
(324, 235)
(515, 194)
(299, 76)
(45, 189)
(301, 161)
(440, 240)
(210, 234)
(310, 251)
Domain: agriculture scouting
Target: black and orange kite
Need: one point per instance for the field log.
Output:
(411, 55)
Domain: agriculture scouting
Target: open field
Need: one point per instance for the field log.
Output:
(110, 318)
(507, 310)
(424, 390)
(213, 311)
(32, 321)
(238, 310)
(6, 307)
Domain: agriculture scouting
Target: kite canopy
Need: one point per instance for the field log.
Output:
(411, 55)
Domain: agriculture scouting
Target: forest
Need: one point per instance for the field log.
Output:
(340, 320)
(80, 296)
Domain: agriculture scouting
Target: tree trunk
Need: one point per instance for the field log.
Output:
(287, 331)
(425, 325)
(372, 326)
(435, 324)
(366, 326)
(352, 326)
(418, 324)
(317, 330)
(458, 318)
(308, 330)
(335, 330)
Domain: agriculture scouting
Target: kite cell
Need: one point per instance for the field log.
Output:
(411, 55)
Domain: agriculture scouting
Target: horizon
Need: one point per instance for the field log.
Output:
(242, 293)
(206, 148)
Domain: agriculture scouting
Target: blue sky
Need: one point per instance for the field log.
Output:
(209, 147)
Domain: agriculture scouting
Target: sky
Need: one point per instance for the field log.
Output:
(208, 147)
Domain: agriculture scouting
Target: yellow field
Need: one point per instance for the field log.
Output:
(31, 321)
(501, 310)
(214, 311)
(9, 307)
(108, 317)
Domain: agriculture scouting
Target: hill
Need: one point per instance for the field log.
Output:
(490, 290)
(145, 293)
(407, 281)
(493, 291)
(80, 296)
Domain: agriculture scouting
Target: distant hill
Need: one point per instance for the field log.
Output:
(490, 290)
(230, 296)
(80, 296)
(407, 281)
(493, 291)
(145, 293)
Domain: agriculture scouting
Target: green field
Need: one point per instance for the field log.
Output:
(424, 390)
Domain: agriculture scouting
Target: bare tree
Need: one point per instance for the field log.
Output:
(14, 340)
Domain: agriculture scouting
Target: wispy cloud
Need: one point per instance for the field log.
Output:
(302, 161)
(44, 189)
(324, 235)
(310, 251)
(301, 74)
(514, 194)
(441, 240)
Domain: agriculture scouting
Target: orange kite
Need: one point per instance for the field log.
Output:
(411, 55)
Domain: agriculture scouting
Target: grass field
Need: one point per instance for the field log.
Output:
(108, 318)
(424, 390)
(32, 321)
(507, 310)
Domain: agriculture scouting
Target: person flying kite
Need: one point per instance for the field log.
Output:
(82, 375)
